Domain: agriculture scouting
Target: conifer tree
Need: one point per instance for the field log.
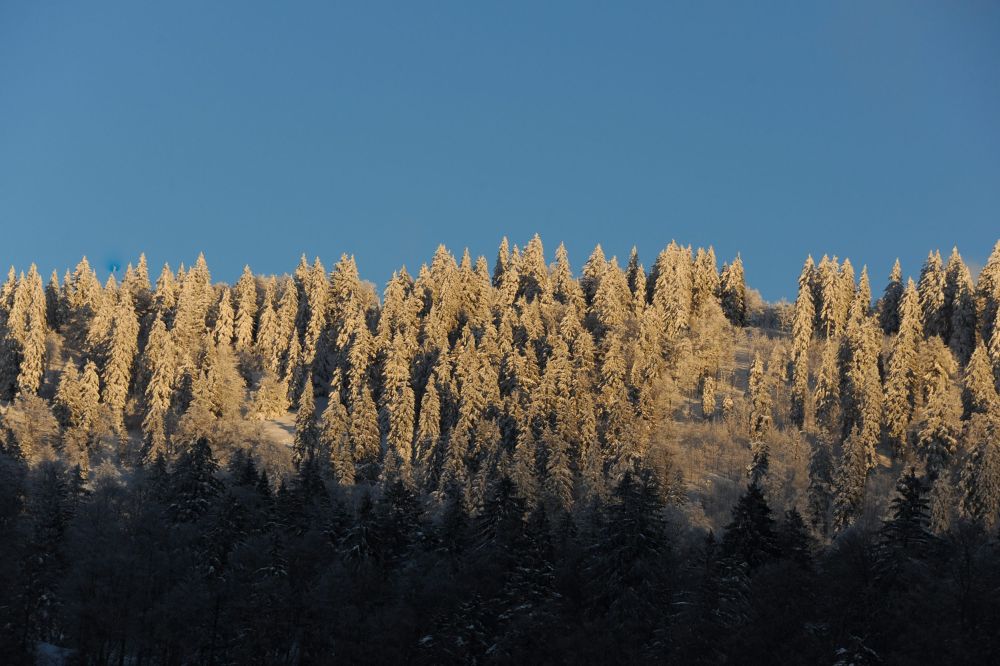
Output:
(750, 534)
(365, 438)
(905, 536)
(165, 295)
(802, 329)
(821, 486)
(988, 295)
(83, 297)
(962, 324)
(732, 290)
(851, 478)
(266, 342)
(118, 356)
(901, 374)
(979, 393)
(845, 294)
(307, 434)
(889, 304)
(609, 310)
(270, 400)
(53, 303)
(246, 311)
(705, 286)
(708, 397)
(672, 288)
(862, 389)
(193, 483)
(193, 303)
(534, 276)
(161, 374)
(829, 296)
(428, 434)
(593, 272)
(827, 394)
(981, 476)
(759, 397)
(222, 331)
(558, 475)
(635, 276)
(27, 328)
(334, 438)
(565, 288)
(938, 424)
(931, 290)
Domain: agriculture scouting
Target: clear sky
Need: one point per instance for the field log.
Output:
(256, 131)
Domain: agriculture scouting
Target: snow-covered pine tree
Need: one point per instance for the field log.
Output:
(366, 441)
(225, 319)
(820, 493)
(988, 295)
(759, 398)
(979, 393)
(732, 292)
(534, 277)
(593, 272)
(118, 353)
(565, 288)
(266, 343)
(850, 482)
(246, 311)
(706, 279)
(802, 330)
(931, 290)
(938, 423)
(901, 374)
(888, 305)
(981, 475)
(558, 473)
(307, 434)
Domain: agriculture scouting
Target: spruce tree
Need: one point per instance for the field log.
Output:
(905, 536)
(118, 356)
(759, 397)
(888, 305)
(901, 374)
(981, 475)
(988, 296)
(593, 272)
(160, 374)
(334, 439)
(979, 393)
(705, 283)
(732, 292)
(193, 483)
(959, 307)
(851, 479)
(558, 475)
(821, 486)
(931, 289)
(222, 330)
(306, 429)
(827, 394)
(565, 288)
(246, 311)
(938, 424)
(364, 433)
(750, 536)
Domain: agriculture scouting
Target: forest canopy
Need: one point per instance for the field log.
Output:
(497, 462)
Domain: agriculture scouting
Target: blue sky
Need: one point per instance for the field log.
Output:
(258, 131)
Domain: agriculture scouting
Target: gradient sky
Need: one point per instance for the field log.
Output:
(256, 131)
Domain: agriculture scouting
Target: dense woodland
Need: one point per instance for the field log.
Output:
(521, 463)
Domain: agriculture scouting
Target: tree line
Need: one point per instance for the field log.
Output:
(488, 466)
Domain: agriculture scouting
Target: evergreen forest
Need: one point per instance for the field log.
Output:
(496, 461)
